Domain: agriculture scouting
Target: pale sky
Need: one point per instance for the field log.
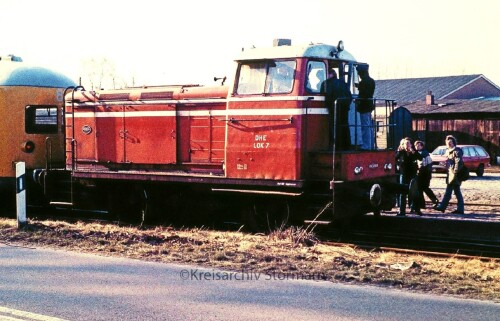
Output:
(191, 41)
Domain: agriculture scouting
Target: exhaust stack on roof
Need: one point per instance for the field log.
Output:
(282, 42)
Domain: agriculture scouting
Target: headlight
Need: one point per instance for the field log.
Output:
(28, 146)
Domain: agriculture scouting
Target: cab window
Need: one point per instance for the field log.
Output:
(266, 77)
(41, 119)
(316, 74)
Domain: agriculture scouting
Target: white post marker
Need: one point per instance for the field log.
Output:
(21, 194)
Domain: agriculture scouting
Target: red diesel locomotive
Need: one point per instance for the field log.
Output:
(262, 142)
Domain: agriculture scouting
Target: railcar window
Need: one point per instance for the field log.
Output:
(266, 77)
(41, 119)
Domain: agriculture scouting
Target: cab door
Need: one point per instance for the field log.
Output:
(316, 117)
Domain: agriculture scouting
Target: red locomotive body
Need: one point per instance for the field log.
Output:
(267, 133)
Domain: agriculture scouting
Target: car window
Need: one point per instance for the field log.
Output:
(439, 151)
(466, 151)
(473, 152)
(481, 151)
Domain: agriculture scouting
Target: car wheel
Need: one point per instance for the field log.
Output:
(480, 170)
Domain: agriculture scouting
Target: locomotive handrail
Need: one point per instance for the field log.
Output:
(48, 153)
(388, 105)
(73, 124)
(72, 138)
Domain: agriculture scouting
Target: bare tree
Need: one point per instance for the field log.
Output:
(98, 72)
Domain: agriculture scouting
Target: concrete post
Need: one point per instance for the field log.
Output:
(21, 194)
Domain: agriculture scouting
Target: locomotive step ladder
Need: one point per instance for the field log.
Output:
(58, 183)
(59, 188)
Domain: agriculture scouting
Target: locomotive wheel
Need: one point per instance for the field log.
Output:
(376, 199)
(375, 195)
(274, 215)
(279, 216)
(128, 203)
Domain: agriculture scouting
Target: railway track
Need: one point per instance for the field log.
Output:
(387, 233)
(428, 245)
(465, 235)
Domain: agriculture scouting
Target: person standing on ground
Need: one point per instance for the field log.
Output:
(454, 164)
(365, 106)
(337, 94)
(424, 176)
(406, 159)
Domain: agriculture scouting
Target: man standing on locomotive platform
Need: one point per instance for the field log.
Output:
(336, 90)
(365, 106)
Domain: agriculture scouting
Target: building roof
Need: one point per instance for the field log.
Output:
(453, 108)
(414, 89)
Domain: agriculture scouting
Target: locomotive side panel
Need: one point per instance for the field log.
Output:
(83, 130)
(149, 134)
(202, 133)
(110, 144)
(264, 140)
(163, 136)
(269, 150)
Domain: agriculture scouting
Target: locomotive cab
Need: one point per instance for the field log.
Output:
(288, 136)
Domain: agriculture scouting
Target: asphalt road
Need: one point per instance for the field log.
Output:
(40, 284)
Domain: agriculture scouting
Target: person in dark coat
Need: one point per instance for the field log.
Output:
(424, 176)
(337, 94)
(365, 106)
(454, 164)
(406, 160)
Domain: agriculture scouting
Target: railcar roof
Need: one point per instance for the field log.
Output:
(311, 50)
(15, 73)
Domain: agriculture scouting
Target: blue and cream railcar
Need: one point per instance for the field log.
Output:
(31, 121)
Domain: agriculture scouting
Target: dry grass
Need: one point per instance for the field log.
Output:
(291, 251)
